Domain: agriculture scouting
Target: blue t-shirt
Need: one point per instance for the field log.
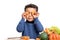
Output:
(30, 29)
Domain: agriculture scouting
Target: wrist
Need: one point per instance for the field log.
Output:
(36, 18)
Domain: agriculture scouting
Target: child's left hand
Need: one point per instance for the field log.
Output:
(36, 15)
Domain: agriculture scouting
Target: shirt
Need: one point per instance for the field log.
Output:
(30, 29)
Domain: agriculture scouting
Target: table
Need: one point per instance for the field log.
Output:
(16, 38)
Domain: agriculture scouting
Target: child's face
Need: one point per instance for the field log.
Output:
(30, 13)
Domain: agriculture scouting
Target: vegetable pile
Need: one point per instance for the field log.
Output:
(52, 33)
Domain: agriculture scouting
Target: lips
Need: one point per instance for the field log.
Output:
(29, 18)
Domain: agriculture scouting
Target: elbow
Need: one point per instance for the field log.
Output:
(18, 30)
(41, 29)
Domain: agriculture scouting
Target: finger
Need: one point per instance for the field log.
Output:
(37, 13)
(34, 16)
(24, 14)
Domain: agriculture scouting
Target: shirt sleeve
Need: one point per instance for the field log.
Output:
(20, 26)
(38, 25)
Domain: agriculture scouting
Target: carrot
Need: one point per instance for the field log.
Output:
(37, 38)
(25, 38)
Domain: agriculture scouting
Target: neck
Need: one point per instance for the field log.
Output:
(30, 21)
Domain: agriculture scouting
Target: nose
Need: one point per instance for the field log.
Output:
(30, 14)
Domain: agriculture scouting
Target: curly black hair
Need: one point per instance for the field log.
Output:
(31, 6)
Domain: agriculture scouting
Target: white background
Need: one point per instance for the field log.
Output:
(11, 10)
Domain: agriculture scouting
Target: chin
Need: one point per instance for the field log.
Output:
(30, 20)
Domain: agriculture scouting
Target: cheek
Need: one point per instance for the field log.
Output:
(27, 16)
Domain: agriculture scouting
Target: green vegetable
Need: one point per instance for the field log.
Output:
(56, 29)
(43, 36)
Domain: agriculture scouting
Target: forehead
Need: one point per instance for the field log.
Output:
(31, 10)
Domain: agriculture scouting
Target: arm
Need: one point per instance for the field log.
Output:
(20, 26)
(38, 25)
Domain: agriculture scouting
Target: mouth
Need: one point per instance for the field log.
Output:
(29, 18)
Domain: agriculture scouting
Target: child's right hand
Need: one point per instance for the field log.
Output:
(24, 15)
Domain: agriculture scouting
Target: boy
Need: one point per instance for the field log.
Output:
(32, 26)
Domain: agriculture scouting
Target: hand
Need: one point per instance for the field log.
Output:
(36, 15)
(24, 15)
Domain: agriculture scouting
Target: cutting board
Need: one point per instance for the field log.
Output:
(16, 38)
